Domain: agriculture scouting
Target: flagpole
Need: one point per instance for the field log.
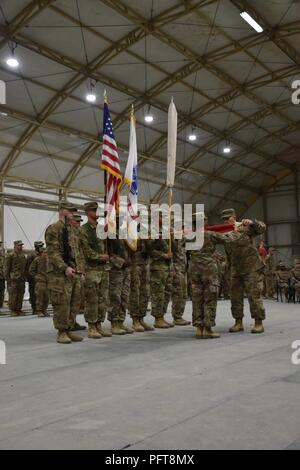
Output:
(171, 159)
(170, 205)
(105, 188)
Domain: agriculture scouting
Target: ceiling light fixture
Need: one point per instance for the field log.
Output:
(90, 96)
(149, 116)
(251, 21)
(12, 61)
(192, 136)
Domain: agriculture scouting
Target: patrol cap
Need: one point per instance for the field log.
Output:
(90, 206)
(38, 244)
(18, 243)
(68, 206)
(78, 218)
(226, 213)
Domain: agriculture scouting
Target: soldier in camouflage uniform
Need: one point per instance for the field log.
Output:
(226, 280)
(2, 274)
(177, 288)
(270, 274)
(66, 269)
(283, 279)
(77, 300)
(97, 272)
(204, 275)
(38, 272)
(139, 287)
(119, 284)
(15, 273)
(295, 277)
(31, 286)
(246, 266)
(161, 272)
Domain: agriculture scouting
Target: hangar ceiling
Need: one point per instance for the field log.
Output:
(231, 86)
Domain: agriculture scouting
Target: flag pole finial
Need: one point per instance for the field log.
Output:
(105, 97)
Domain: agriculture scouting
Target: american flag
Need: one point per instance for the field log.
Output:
(110, 162)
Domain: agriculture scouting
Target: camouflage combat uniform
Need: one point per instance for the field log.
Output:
(38, 272)
(31, 285)
(2, 278)
(15, 276)
(246, 266)
(270, 276)
(140, 283)
(119, 279)
(204, 275)
(177, 288)
(64, 292)
(161, 271)
(97, 273)
(282, 279)
(295, 279)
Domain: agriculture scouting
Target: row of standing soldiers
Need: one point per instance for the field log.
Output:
(116, 279)
(16, 269)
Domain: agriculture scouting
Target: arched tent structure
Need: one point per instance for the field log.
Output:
(232, 86)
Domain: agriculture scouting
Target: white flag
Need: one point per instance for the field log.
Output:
(131, 180)
(172, 144)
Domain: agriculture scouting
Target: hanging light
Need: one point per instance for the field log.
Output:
(149, 116)
(192, 136)
(90, 96)
(226, 149)
(12, 61)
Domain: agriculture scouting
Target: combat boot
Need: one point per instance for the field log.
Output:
(14, 314)
(116, 330)
(127, 329)
(136, 325)
(74, 337)
(208, 333)
(238, 326)
(21, 313)
(199, 332)
(63, 338)
(104, 333)
(146, 326)
(78, 327)
(171, 324)
(93, 333)
(181, 322)
(258, 328)
(160, 322)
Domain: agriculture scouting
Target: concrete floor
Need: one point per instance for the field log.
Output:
(157, 390)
